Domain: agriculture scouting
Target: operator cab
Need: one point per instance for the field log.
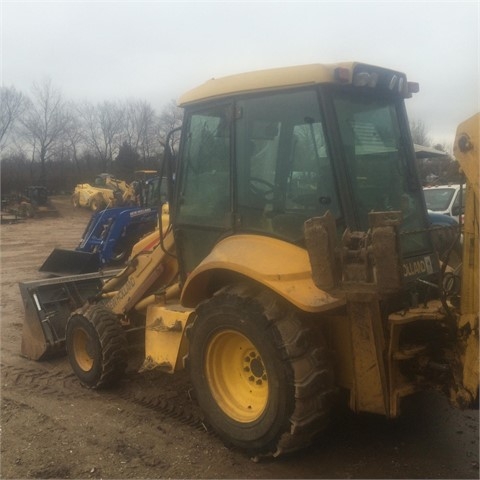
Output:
(262, 153)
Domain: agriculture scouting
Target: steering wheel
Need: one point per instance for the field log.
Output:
(267, 193)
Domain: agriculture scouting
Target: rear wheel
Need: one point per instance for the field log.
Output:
(96, 347)
(262, 382)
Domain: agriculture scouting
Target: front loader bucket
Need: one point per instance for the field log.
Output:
(70, 262)
(48, 305)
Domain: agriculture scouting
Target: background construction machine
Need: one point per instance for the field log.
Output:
(107, 240)
(33, 202)
(298, 263)
(107, 191)
(111, 234)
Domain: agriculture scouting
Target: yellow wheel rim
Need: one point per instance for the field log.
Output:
(237, 376)
(82, 347)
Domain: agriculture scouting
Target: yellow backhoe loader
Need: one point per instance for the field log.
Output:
(297, 265)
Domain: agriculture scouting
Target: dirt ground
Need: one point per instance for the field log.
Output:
(148, 427)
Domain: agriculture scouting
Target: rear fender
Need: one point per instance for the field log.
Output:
(280, 266)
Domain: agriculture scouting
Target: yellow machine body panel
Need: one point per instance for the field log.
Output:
(280, 266)
(263, 80)
(165, 342)
(467, 152)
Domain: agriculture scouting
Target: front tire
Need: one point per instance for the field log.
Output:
(96, 347)
(261, 381)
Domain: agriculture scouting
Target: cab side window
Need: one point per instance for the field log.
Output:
(205, 197)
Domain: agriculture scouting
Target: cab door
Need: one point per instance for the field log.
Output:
(203, 204)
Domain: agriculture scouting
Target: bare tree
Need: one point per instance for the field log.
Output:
(419, 133)
(90, 137)
(140, 122)
(45, 123)
(104, 125)
(170, 118)
(12, 106)
(75, 134)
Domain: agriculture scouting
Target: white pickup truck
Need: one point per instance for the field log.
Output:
(446, 199)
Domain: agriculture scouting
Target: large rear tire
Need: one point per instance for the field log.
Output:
(262, 381)
(96, 347)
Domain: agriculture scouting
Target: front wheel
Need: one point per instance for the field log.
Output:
(96, 347)
(263, 383)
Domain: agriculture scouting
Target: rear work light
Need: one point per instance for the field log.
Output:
(365, 79)
(366, 76)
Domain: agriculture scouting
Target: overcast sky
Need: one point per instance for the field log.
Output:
(156, 50)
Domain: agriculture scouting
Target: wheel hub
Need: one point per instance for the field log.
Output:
(254, 365)
(83, 349)
(237, 376)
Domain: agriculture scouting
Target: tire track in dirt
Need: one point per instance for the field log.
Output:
(168, 396)
(49, 424)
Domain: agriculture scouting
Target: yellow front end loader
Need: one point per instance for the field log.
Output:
(297, 265)
(106, 191)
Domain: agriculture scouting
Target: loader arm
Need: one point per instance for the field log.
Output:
(158, 267)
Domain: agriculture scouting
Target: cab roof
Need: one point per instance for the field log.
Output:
(262, 80)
